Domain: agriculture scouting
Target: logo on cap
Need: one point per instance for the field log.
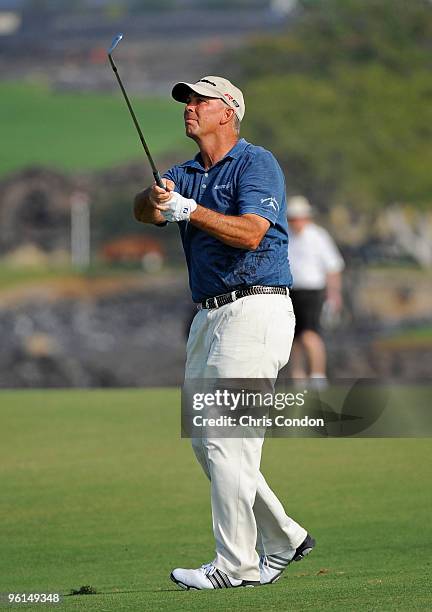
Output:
(231, 99)
(206, 81)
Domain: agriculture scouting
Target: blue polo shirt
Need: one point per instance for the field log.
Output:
(247, 180)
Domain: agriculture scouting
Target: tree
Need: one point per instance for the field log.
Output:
(344, 99)
(329, 33)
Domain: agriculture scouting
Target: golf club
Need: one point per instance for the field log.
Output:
(156, 174)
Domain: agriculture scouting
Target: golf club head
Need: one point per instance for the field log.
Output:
(114, 43)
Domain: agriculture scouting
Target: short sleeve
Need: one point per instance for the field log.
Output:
(261, 187)
(331, 258)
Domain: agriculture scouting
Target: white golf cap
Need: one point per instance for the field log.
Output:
(212, 87)
(298, 207)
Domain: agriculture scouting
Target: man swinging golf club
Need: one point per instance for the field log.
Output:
(229, 203)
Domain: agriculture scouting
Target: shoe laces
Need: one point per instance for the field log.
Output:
(208, 569)
(264, 561)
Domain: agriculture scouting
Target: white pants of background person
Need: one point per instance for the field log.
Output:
(250, 338)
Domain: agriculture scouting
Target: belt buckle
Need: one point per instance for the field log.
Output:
(216, 305)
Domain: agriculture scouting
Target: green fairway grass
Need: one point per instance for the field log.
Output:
(97, 488)
(81, 131)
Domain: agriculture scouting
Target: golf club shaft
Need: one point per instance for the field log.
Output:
(157, 176)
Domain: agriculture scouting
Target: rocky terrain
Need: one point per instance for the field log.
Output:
(131, 332)
(99, 335)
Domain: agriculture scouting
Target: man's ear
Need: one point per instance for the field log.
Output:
(227, 116)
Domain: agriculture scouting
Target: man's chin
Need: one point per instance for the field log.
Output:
(190, 133)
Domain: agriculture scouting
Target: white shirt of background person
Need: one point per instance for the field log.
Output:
(314, 258)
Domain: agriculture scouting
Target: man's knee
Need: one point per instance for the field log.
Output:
(310, 337)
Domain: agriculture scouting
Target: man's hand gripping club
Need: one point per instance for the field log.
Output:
(173, 206)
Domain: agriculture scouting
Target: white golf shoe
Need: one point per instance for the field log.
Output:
(207, 577)
(272, 566)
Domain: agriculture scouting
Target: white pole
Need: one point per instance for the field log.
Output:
(80, 229)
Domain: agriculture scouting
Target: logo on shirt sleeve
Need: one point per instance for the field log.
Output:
(271, 203)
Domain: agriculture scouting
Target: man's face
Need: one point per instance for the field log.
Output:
(298, 224)
(203, 115)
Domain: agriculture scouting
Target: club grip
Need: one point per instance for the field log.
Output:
(158, 180)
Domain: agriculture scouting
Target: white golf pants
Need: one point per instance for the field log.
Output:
(250, 338)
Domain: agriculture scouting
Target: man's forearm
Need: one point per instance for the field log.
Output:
(334, 283)
(144, 210)
(157, 206)
(242, 232)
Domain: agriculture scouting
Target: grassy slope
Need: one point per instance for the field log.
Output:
(411, 338)
(98, 489)
(80, 131)
(20, 276)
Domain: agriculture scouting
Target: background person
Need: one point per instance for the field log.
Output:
(230, 204)
(316, 265)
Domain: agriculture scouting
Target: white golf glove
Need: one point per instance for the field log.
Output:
(179, 208)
